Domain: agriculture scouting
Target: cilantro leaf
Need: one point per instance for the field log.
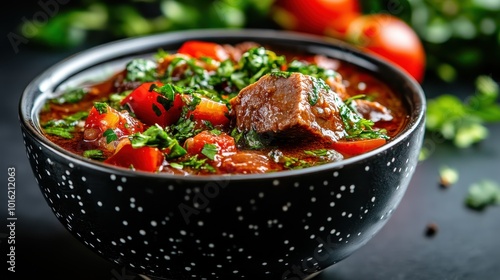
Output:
(110, 135)
(209, 150)
(155, 136)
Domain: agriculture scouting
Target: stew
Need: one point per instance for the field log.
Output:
(212, 108)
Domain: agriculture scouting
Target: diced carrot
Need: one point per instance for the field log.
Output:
(212, 111)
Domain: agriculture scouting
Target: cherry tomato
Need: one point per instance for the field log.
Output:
(357, 147)
(148, 105)
(315, 16)
(391, 38)
(144, 158)
(198, 49)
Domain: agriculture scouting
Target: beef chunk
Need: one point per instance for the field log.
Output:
(372, 110)
(296, 107)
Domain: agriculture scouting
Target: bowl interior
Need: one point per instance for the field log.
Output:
(102, 61)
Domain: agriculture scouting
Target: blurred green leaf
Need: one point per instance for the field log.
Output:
(89, 21)
(483, 194)
(462, 122)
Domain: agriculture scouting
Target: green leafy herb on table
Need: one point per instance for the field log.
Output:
(483, 194)
(463, 122)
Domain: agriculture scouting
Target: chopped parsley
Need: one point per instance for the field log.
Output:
(156, 136)
(70, 96)
(318, 84)
(356, 126)
(295, 163)
(254, 64)
(195, 163)
(94, 154)
(183, 129)
(101, 107)
(249, 139)
(210, 150)
(110, 135)
(64, 127)
(141, 70)
(311, 70)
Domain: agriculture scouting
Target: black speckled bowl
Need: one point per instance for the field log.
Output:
(285, 225)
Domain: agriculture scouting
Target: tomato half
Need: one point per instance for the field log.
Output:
(390, 38)
(315, 16)
(144, 158)
(148, 105)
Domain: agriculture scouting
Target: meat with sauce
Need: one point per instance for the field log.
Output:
(296, 107)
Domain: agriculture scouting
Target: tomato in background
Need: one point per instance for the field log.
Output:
(315, 16)
(383, 35)
(391, 38)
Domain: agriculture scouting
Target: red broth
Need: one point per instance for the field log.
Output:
(226, 109)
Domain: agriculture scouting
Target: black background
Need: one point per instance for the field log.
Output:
(466, 245)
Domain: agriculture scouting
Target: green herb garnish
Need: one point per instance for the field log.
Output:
(483, 194)
(110, 135)
(70, 96)
(94, 154)
(141, 70)
(195, 163)
(101, 107)
(156, 136)
(463, 122)
(64, 127)
(210, 150)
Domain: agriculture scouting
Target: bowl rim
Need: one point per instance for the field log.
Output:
(52, 77)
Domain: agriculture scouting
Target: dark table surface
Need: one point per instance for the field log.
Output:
(466, 245)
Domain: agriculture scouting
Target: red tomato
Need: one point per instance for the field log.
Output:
(391, 38)
(212, 111)
(357, 147)
(224, 143)
(198, 49)
(147, 106)
(145, 158)
(315, 16)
